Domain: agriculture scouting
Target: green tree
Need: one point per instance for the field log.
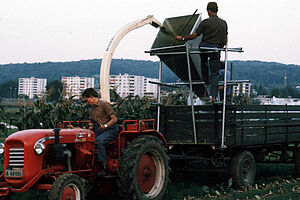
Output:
(261, 90)
(275, 92)
(285, 92)
(241, 99)
(293, 92)
(4, 120)
(54, 89)
(9, 89)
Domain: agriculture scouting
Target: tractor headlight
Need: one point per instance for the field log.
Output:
(39, 148)
(1, 148)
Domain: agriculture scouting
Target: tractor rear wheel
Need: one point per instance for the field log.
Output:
(297, 162)
(67, 186)
(144, 169)
(242, 169)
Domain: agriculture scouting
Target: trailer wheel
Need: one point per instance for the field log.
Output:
(242, 169)
(67, 186)
(297, 163)
(144, 169)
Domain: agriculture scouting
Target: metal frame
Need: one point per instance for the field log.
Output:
(158, 94)
(190, 82)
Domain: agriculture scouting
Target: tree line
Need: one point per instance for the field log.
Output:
(54, 89)
(279, 92)
(9, 90)
(269, 74)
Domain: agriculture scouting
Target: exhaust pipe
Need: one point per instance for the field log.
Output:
(57, 149)
(56, 132)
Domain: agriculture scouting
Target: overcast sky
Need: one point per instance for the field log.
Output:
(70, 30)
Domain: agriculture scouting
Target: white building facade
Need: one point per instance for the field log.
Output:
(243, 88)
(74, 86)
(279, 101)
(133, 85)
(150, 89)
(32, 87)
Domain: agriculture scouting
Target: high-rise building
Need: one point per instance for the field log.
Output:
(133, 85)
(150, 89)
(32, 87)
(243, 88)
(74, 86)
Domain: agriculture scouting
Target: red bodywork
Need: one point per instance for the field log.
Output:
(39, 173)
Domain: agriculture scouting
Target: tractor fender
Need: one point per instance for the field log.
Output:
(125, 136)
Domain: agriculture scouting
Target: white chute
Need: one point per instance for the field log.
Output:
(106, 60)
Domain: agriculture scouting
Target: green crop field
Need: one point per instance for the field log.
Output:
(11, 107)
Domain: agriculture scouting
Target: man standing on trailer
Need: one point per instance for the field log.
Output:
(214, 34)
(107, 129)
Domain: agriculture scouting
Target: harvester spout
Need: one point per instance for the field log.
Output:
(106, 60)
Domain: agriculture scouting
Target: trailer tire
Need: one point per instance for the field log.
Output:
(297, 163)
(67, 186)
(242, 169)
(144, 169)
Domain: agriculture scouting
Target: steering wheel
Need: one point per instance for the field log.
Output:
(84, 123)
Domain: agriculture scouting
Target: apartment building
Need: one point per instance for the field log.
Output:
(32, 87)
(74, 86)
(150, 90)
(243, 88)
(133, 85)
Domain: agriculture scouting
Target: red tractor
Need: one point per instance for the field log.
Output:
(62, 161)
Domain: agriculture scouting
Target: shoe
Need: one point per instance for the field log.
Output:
(102, 172)
(102, 169)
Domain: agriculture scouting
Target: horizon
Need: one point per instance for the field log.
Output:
(138, 60)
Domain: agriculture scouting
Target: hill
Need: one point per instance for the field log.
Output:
(270, 74)
(55, 70)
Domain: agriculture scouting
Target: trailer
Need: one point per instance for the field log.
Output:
(251, 133)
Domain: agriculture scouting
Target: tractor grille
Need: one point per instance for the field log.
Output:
(16, 158)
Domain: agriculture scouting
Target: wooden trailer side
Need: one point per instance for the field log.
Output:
(246, 125)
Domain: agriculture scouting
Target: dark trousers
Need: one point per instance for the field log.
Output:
(214, 66)
(104, 137)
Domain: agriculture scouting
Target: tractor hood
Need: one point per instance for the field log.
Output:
(22, 163)
(65, 135)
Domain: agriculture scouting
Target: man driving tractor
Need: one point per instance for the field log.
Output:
(105, 128)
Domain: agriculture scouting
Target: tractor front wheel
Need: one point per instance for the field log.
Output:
(67, 186)
(144, 169)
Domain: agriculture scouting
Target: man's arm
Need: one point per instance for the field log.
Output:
(188, 37)
(112, 121)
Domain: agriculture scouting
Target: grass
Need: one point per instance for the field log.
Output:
(11, 107)
(273, 181)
